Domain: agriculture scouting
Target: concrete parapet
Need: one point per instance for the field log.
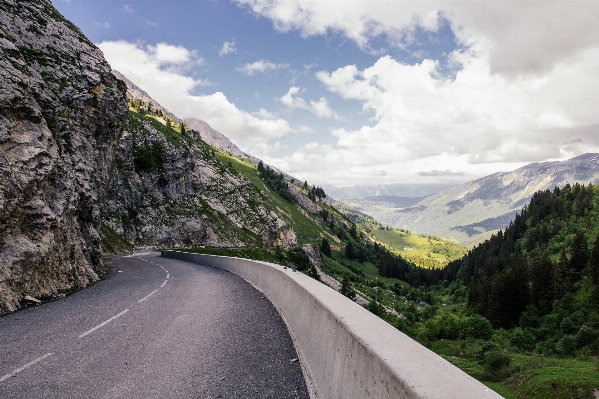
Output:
(346, 351)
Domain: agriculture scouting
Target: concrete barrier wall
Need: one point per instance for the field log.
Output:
(346, 351)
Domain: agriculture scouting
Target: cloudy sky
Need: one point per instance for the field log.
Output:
(367, 92)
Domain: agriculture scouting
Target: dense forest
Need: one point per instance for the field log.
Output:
(541, 273)
(520, 310)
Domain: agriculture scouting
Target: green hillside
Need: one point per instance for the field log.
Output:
(422, 250)
(536, 285)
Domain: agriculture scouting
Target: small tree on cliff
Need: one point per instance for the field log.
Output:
(325, 248)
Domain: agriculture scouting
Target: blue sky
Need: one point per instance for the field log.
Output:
(367, 92)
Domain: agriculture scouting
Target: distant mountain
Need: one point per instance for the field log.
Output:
(385, 190)
(217, 139)
(395, 202)
(471, 212)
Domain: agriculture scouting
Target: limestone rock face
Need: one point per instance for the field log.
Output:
(303, 200)
(61, 114)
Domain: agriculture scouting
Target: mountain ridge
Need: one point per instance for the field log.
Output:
(471, 212)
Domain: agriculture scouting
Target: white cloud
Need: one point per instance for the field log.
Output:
(525, 36)
(264, 114)
(429, 129)
(319, 108)
(128, 8)
(151, 68)
(488, 117)
(259, 66)
(103, 25)
(164, 53)
(305, 129)
(227, 48)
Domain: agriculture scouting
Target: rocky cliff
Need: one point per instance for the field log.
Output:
(167, 187)
(61, 114)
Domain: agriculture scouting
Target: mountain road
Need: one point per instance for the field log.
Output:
(152, 328)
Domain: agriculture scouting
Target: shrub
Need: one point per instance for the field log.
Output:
(477, 327)
(522, 339)
(143, 159)
(496, 365)
(566, 345)
(299, 258)
(449, 326)
(584, 336)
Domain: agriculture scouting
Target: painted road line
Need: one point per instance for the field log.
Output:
(14, 372)
(163, 284)
(147, 296)
(103, 324)
(168, 275)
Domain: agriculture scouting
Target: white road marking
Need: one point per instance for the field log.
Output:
(163, 284)
(147, 296)
(104, 323)
(39, 359)
(168, 275)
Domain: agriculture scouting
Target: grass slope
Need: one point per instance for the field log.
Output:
(422, 250)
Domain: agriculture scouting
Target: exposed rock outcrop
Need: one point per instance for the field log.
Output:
(167, 186)
(61, 113)
(302, 199)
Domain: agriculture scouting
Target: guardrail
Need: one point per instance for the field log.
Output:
(346, 351)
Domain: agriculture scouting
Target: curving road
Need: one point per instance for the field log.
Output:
(153, 328)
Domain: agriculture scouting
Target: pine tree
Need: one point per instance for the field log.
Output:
(325, 248)
(353, 231)
(580, 252)
(349, 251)
(541, 289)
(346, 288)
(594, 264)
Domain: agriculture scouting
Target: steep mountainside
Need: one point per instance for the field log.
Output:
(61, 114)
(165, 183)
(470, 212)
(169, 185)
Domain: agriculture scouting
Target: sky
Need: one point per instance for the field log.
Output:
(371, 92)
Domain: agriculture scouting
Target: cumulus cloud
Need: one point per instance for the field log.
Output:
(264, 114)
(227, 48)
(259, 66)
(319, 108)
(431, 129)
(525, 36)
(157, 69)
(487, 117)
(305, 129)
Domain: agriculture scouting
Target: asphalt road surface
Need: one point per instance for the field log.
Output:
(154, 328)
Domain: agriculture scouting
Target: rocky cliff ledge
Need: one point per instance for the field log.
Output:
(61, 114)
